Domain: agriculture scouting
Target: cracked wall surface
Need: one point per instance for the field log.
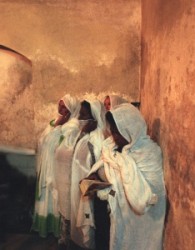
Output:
(168, 104)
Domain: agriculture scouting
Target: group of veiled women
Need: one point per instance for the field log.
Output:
(105, 140)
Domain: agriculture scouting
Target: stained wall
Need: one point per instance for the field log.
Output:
(16, 100)
(75, 46)
(168, 104)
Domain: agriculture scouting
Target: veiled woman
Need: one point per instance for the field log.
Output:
(46, 215)
(132, 163)
(87, 152)
(112, 100)
(63, 171)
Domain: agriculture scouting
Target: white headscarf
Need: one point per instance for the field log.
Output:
(97, 111)
(130, 123)
(97, 136)
(145, 152)
(49, 141)
(116, 100)
(72, 103)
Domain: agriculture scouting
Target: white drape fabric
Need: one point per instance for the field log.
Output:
(72, 104)
(82, 214)
(137, 195)
(63, 161)
(97, 109)
(116, 100)
(48, 143)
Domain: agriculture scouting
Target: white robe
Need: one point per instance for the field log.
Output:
(46, 214)
(136, 197)
(63, 162)
(48, 202)
(82, 214)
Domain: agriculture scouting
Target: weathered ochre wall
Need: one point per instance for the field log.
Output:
(168, 104)
(16, 100)
(75, 46)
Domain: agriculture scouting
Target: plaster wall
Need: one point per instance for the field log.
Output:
(16, 98)
(168, 104)
(75, 47)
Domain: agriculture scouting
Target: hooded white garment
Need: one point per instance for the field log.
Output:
(137, 195)
(82, 217)
(48, 143)
(116, 100)
(73, 105)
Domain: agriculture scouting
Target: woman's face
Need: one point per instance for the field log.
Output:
(62, 109)
(107, 103)
(118, 138)
(85, 113)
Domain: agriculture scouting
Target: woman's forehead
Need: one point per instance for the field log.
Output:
(61, 102)
(107, 98)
